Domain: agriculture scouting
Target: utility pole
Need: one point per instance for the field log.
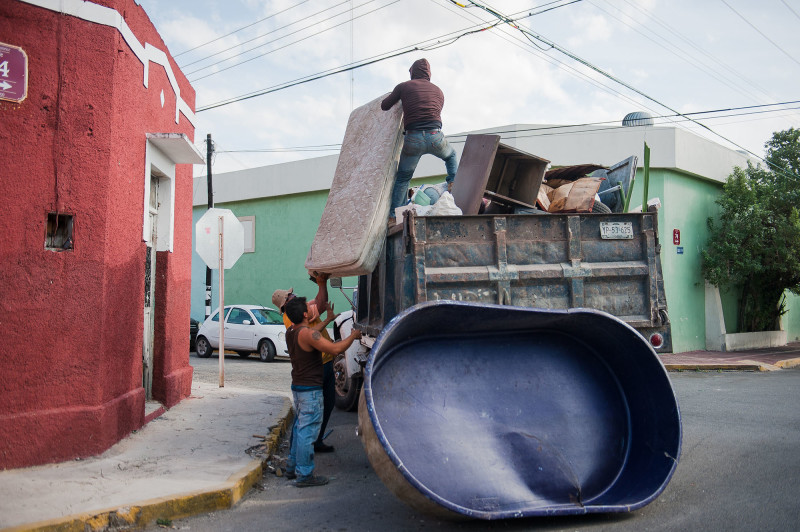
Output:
(209, 153)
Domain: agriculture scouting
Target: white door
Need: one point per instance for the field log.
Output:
(240, 330)
(150, 291)
(213, 331)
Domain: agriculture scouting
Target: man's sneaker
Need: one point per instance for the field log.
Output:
(313, 480)
(323, 448)
(290, 474)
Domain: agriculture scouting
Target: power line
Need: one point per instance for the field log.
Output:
(527, 46)
(298, 81)
(553, 129)
(761, 32)
(240, 29)
(737, 75)
(790, 9)
(287, 45)
(674, 49)
(602, 72)
(450, 39)
(264, 35)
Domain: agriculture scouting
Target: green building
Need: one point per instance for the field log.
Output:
(281, 205)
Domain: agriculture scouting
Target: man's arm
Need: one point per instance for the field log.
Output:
(392, 99)
(330, 316)
(312, 338)
(322, 292)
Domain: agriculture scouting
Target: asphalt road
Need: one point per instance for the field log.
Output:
(739, 468)
(247, 372)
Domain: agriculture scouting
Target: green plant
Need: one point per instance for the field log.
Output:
(754, 246)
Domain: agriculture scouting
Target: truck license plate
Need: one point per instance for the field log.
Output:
(616, 230)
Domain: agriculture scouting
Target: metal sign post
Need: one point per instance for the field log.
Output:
(219, 239)
(221, 302)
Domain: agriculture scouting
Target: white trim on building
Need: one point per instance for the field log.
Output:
(162, 153)
(146, 53)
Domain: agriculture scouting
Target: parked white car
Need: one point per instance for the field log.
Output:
(248, 329)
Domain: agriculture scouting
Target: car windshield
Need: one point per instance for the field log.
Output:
(267, 316)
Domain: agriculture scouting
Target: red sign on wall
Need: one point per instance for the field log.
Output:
(13, 73)
(676, 237)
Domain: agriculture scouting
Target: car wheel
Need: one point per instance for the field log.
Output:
(347, 389)
(266, 351)
(244, 354)
(202, 347)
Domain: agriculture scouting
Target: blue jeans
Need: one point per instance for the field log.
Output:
(307, 420)
(417, 144)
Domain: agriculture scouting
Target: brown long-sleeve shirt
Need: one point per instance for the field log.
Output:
(422, 100)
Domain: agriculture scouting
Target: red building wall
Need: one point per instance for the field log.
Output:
(72, 321)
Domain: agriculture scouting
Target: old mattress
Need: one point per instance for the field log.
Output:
(353, 225)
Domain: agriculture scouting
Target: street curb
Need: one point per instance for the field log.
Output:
(788, 363)
(141, 514)
(714, 367)
(744, 365)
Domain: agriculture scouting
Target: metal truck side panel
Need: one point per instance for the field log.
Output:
(553, 261)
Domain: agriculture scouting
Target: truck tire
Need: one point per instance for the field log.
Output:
(600, 208)
(347, 389)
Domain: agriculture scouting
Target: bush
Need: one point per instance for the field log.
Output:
(755, 244)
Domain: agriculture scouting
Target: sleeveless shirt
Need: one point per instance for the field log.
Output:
(306, 365)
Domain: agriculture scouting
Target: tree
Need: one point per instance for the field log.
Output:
(755, 245)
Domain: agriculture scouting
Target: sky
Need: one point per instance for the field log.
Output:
(568, 62)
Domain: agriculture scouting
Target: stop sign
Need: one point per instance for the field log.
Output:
(207, 233)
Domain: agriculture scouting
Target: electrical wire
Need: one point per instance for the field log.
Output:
(736, 74)
(444, 40)
(551, 130)
(266, 34)
(538, 37)
(671, 48)
(790, 9)
(529, 35)
(450, 39)
(240, 29)
(776, 45)
(285, 46)
(525, 45)
(739, 80)
(320, 147)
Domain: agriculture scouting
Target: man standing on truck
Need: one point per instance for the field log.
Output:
(305, 347)
(422, 107)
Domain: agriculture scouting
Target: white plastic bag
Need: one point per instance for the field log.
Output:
(446, 206)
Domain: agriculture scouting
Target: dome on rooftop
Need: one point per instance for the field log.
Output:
(638, 118)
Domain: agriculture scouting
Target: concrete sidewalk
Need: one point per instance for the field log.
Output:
(768, 359)
(194, 458)
(190, 460)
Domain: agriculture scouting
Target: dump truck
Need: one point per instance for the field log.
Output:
(508, 365)
(512, 254)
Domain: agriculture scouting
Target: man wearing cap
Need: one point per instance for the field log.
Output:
(316, 307)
